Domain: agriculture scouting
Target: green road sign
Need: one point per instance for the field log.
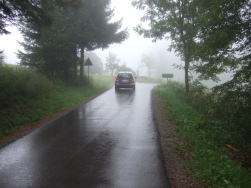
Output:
(167, 75)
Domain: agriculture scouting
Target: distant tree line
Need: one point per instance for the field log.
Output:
(211, 37)
(58, 32)
(113, 66)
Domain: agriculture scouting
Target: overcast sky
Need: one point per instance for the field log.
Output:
(9, 43)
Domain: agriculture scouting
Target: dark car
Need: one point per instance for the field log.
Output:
(125, 80)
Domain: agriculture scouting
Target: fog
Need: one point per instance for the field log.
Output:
(9, 43)
(129, 52)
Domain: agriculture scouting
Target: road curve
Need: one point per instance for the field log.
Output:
(109, 142)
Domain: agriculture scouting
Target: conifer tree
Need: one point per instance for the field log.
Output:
(86, 26)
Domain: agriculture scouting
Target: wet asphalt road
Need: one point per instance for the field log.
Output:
(110, 142)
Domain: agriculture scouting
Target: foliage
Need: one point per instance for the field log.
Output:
(112, 63)
(16, 82)
(123, 67)
(212, 37)
(26, 11)
(224, 43)
(27, 97)
(94, 28)
(85, 26)
(171, 19)
(113, 67)
(13, 10)
(49, 49)
(211, 126)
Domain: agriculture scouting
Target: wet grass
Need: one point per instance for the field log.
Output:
(210, 144)
(27, 97)
(145, 79)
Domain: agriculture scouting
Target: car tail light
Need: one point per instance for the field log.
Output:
(133, 80)
(117, 80)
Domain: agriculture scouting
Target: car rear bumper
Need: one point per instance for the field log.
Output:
(119, 85)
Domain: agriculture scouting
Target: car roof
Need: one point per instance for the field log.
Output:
(122, 72)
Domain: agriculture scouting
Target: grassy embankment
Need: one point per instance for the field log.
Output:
(217, 136)
(27, 97)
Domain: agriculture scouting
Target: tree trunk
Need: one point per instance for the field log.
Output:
(75, 66)
(186, 77)
(187, 51)
(82, 63)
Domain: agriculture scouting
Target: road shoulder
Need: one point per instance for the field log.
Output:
(176, 164)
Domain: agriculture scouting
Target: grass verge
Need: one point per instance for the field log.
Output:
(145, 79)
(27, 97)
(211, 160)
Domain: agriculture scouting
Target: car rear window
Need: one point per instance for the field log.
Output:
(125, 76)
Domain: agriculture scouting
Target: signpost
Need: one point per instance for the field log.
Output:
(167, 76)
(88, 63)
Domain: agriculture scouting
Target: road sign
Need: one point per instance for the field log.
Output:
(88, 62)
(167, 75)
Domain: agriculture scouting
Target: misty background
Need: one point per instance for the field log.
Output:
(129, 52)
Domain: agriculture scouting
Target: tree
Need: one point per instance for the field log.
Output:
(112, 63)
(225, 41)
(86, 26)
(225, 45)
(95, 29)
(123, 67)
(147, 61)
(212, 37)
(50, 49)
(11, 11)
(14, 11)
(174, 19)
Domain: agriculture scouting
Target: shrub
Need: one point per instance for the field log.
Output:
(19, 83)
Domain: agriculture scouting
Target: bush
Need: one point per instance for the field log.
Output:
(18, 84)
